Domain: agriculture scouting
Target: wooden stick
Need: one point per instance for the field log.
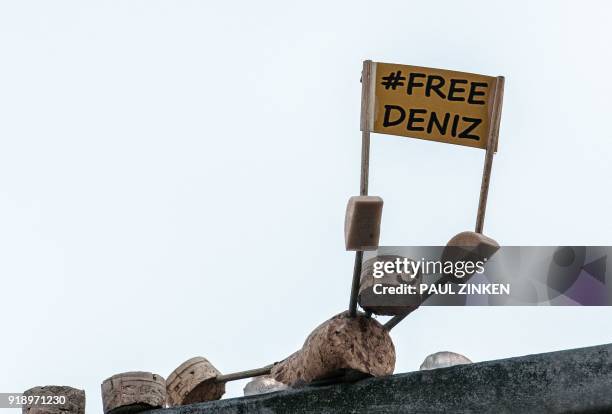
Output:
(391, 323)
(244, 374)
(493, 134)
(395, 320)
(366, 79)
(365, 163)
(355, 284)
(366, 108)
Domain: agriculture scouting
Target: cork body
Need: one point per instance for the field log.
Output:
(387, 304)
(341, 343)
(131, 392)
(72, 400)
(192, 382)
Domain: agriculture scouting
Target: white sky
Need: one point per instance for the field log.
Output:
(173, 175)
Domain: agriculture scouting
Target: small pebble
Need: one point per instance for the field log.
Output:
(262, 385)
(443, 359)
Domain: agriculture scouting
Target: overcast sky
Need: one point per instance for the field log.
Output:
(174, 175)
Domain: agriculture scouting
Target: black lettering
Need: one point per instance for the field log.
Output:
(454, 127)
(436, 88)
(412, 84)
(454, 89)
(433, 119)
(388, 108)
(411, 120)
(466, 132)
(474, 92)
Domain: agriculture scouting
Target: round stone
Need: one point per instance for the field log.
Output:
(263, 385)
(443, 359)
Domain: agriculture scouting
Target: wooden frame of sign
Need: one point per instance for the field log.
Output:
(433, 104)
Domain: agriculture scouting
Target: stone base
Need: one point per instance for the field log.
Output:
(576, 381)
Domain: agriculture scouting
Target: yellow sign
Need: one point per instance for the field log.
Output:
(432, 104)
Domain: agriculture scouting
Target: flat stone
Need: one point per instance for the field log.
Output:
(262, 385)
(444, 359)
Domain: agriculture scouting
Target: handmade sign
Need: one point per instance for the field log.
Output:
(432, 104)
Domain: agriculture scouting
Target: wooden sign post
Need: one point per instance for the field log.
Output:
(495, 117)
(366, 82)
(432, 104)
